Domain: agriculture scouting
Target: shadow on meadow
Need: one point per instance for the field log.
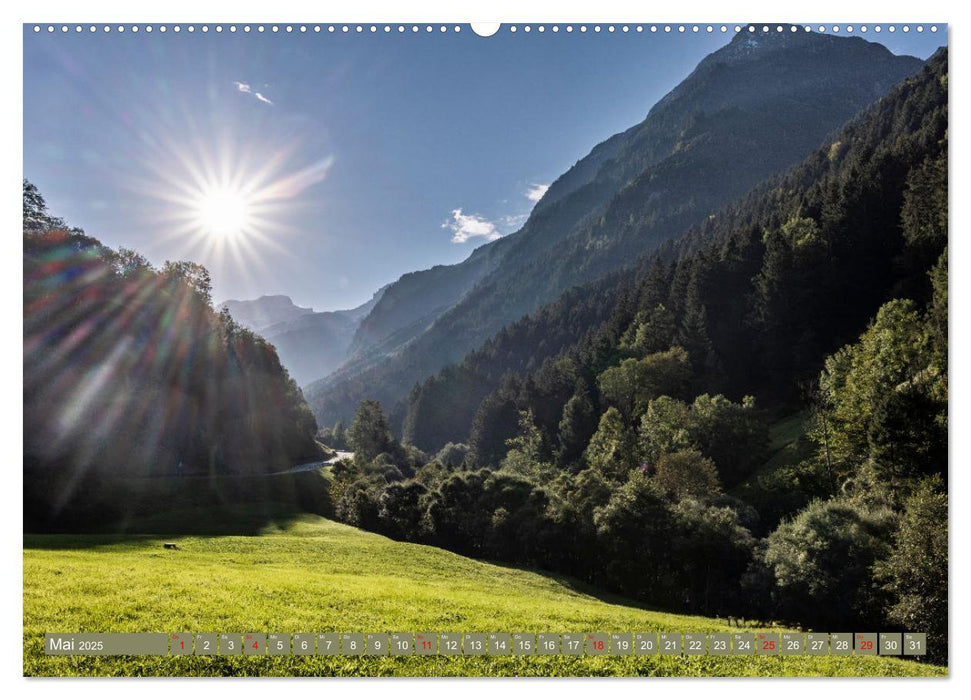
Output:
(191, 506)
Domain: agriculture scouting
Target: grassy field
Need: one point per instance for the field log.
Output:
(314, 575)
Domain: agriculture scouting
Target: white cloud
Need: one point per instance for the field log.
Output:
(536, 192)
(466, 226)
(245, 87)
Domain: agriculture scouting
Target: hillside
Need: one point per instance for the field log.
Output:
(749, 110)
(314, 575)
(131, 374)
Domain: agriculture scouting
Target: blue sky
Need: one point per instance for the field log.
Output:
(369, 155)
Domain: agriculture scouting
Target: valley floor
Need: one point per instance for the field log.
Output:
(314, 575)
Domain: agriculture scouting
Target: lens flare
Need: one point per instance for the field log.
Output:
(227, 199)
(223, 212)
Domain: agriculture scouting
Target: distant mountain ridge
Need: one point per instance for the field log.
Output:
(268, 310)
(750, 109)
(310, 343)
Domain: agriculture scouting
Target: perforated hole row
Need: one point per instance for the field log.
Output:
(253, 28)
(442, 29)
(709, 29)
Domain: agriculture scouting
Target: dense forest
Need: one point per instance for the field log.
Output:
(625, 434)
(131, 375)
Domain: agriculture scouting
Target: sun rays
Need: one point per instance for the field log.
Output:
(223, 212)
(226, 201)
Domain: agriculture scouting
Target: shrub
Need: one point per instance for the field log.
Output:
(821, 564)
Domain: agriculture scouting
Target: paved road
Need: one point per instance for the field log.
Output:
(310, 466)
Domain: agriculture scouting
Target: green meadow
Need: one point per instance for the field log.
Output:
(309, 574)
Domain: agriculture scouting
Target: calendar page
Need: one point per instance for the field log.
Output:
(517, 349)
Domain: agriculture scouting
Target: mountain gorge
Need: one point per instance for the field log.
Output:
(310, 343)
(751, 109)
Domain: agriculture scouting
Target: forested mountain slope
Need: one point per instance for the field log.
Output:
(130, 374)
(750, 109)
(757, 311)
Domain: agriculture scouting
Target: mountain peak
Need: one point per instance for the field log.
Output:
(757, 65)
(269, 309)
(757, 37)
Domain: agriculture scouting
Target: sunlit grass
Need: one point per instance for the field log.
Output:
(314, 575)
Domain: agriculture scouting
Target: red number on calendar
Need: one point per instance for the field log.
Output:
(426, 645)
(256, 645)
(768, 645)
(866, 645)
(598, 645)
(182, 644)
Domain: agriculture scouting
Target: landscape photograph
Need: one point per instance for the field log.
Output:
(403, 350)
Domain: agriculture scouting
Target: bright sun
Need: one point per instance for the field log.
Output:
(228, 209)
(223, 212)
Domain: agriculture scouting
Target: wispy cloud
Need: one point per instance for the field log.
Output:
(514, 222)
(245, 87)
(536, 192)
(466, 226)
